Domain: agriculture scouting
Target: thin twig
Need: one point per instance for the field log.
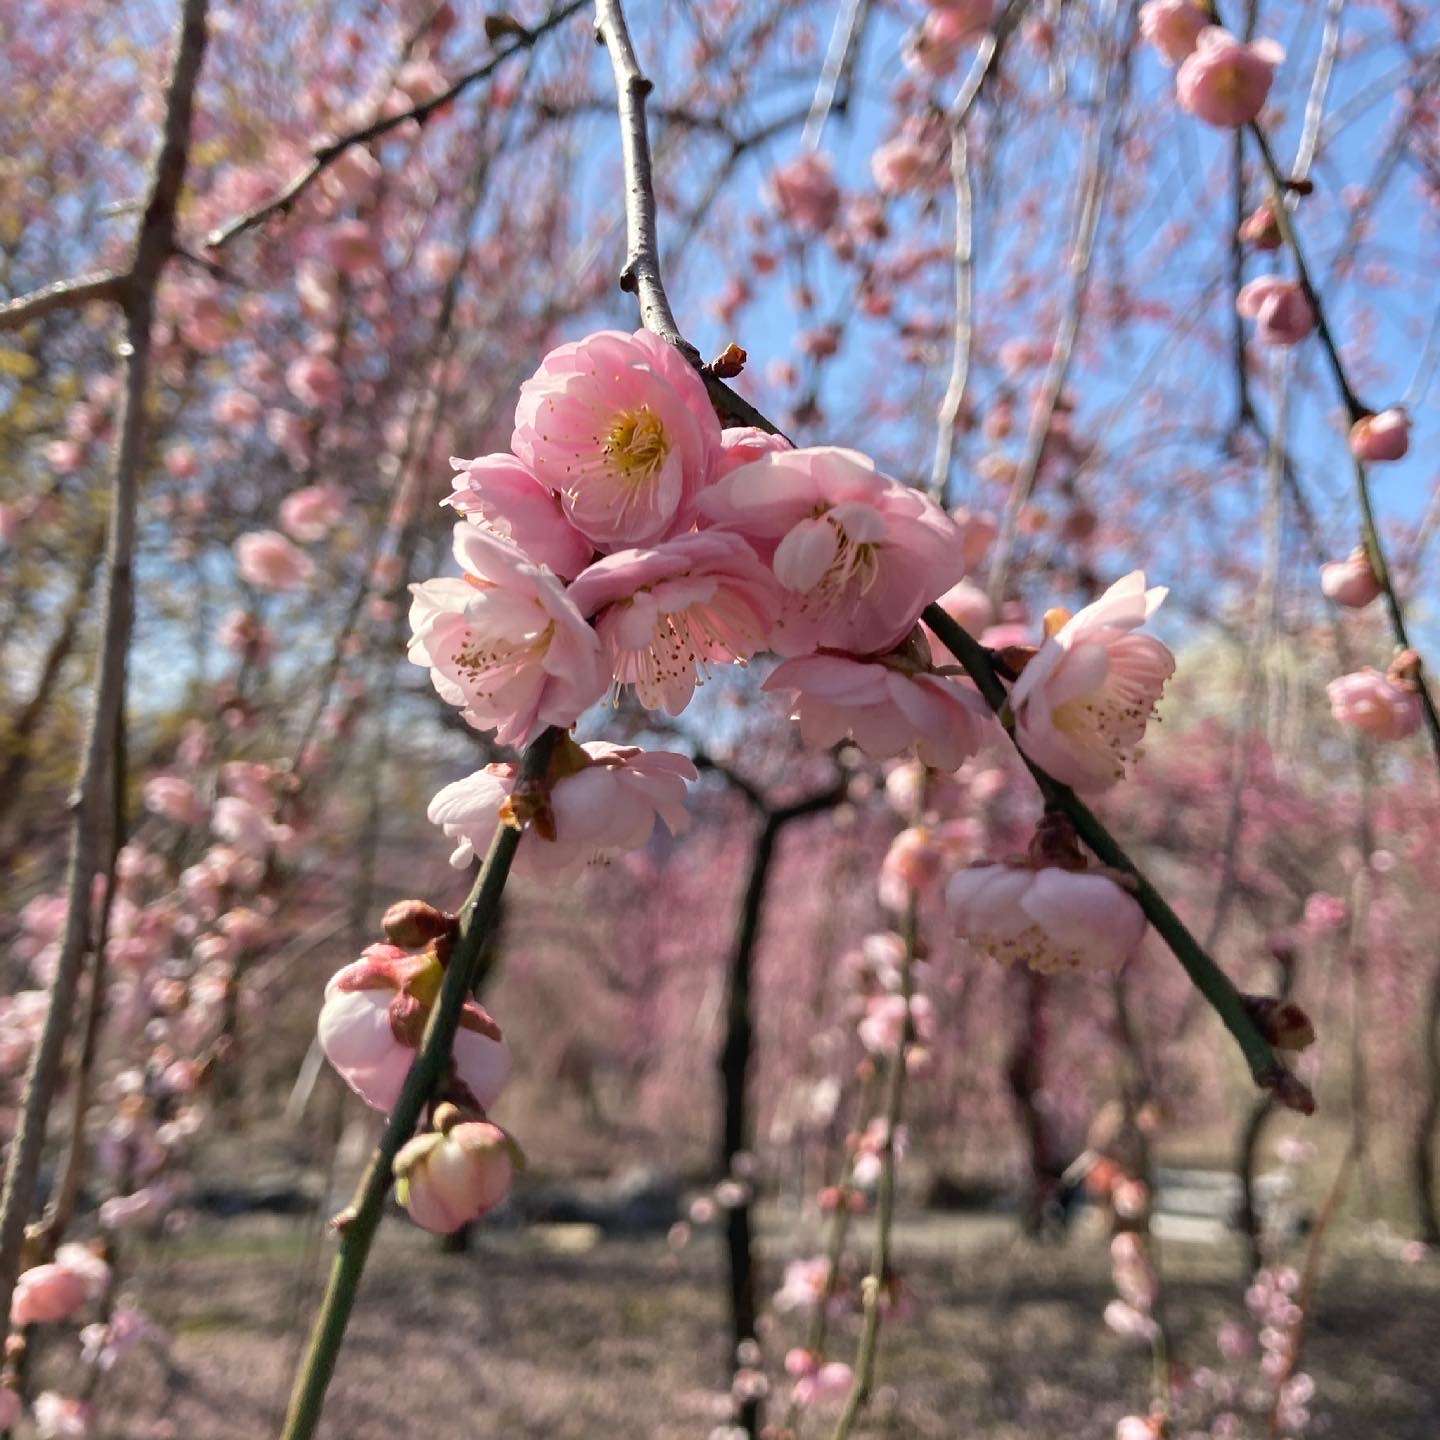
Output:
(63, 295)
(359, 1221)
(327, 154)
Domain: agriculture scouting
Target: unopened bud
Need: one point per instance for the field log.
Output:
(1293, 1093)
(413, 924)
(729, 362)
(447, 1178)
(1282, 1022)
(1010, 660)
(1261, 230)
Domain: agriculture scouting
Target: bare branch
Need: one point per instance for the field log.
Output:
(327, 154)
(63, 295)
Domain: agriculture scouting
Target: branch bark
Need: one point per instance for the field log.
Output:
(154, 247)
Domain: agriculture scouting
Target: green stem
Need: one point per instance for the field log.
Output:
(359, 1221)
(1207, 977)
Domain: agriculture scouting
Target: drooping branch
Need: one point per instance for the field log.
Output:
(358, 1222)
(1208, 978)
(327, 154)
(154, 247)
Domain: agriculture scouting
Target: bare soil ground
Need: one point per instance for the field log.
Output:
(554, 1333)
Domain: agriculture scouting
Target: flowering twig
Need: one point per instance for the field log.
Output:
(154, 247)
(327, 154)
(873, 1286)
(1355, 410)
(1211, 981)
(358, 1222)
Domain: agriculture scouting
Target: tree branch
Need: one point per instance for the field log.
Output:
(327, 154)
(63, 295)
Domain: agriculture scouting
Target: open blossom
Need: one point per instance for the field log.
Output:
(883, 708)
(1374, 705)
(374, 1015)
(1385, 436)
(55, 1291)
(1224, 81)
(1281, 312)
(311, 513)
(1172, 27)
(620, 427)
(498, 493)
(268, 561)
(455, 1173)
(666, 613)
(1350, 582)
(1050, 918)
(504, 641)
(605, 802)
(805, 193)
(858, 554)
(1082, 703)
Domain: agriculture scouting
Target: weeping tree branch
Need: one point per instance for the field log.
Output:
(154, 247)
(327, 154)
(358, 1222)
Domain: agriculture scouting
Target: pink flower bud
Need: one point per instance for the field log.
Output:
(1374, 705)
(1350, 582)
(456, 1173)
(47, 1293)
(1280, 309)
(1385, 436)
(805, 193)
(268, 561)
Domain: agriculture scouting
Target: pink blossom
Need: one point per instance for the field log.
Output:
(1172, 27)
(60, 1417)
(904, 163)
(911, 867)
(1374, 705)
(621, 428)
(268, 561)
(805, 193)
(374, 1015)
(829, 1385)
(667, 613)
(47, 1293)
(241, 632)
(1224, 81)
(310, 514)
(504, 641)
(1082, 703)
(11, 1408)
(499, 494)
(945, 32)
(142, 1207)
(351, 247)
(455, 1173)
(1050, 919)
(173, 799)
(1280, 309)
(1135, 1427)
(1385, 436)
(885, 708)
(236, 408)
(858, 554)
(605, 802)
(314, 380)
(883, 1024)
(1350, 582)
(742, 444)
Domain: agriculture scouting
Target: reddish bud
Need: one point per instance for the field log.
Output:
(413, 924)
(1282, 1022)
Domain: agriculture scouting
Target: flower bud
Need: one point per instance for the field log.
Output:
(413, 924)
(1350, 582)
(1261, 230)
(458, 1172)
(1282, 1022)
(1385, 436)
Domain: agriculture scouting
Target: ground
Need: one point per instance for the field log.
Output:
(558, 1333)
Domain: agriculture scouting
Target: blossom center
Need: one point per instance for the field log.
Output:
(637, 444)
